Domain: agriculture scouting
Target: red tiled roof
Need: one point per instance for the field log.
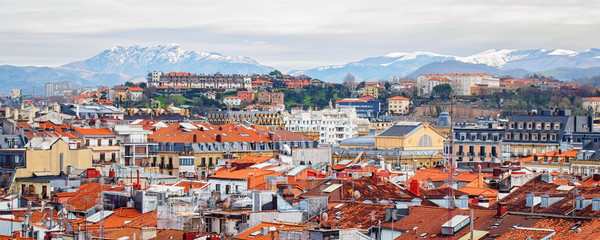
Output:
(135, 89)
(94, 131)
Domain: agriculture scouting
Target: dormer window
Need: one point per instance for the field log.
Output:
(529, 125)
(557, 126)
(534, 137)
(547, 126)
(538, 126)
(525, 136)
(520, 125)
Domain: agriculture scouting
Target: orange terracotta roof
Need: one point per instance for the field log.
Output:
(94, 131)
(398, 98)
(245, 173)
(187, 184)
(251, 159)
(135, 89)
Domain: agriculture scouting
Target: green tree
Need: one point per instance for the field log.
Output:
(276, 74)
(442, 91)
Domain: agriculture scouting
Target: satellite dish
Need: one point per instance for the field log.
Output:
(356, 194)
(324, 216)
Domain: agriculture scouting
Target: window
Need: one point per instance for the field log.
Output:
(203, 162)
(511, 125)
(520, 125)
(547, 126)
(529, 125)
(544, 137)
(557, 126)
(553, 137)
(538, 126)
(507, 136)
(517, 136)
(534, 137)
(525, 136)
(218, 187)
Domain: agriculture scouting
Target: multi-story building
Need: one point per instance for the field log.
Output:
(271, 97)
(264, 97)
(461, 84)
(329, 126)
(371, 90)
(134, 145)
(194, 81)
(364, 108)
(232, 101)
(57, 88)
(103, 143)
(186, 149)
(592, 104)
(246, 96)
(474, 145)
(134, 93)
(14, 94)
(542, 131)
(277, 98)
(398, 105)
(269, 119)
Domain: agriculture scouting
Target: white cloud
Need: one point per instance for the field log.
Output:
(282, 33)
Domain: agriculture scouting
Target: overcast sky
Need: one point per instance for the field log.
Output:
(292, 34)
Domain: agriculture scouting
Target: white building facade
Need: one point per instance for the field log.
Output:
(461, 83)
(331, 125)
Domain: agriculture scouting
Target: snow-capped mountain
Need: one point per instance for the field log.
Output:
(494, 61)
(120, 64)
(137, 60)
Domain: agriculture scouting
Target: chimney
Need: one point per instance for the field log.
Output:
(501, 209)
(595, 204)
(264, 231)
(463, 202)
(416, 202)
(219, 138)
(195, 138)
(546, 177)
(544, 203)
(415, 188)
(529, 200)
(596, 177)
(579, 203)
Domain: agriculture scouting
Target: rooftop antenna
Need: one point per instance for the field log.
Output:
(450, 164)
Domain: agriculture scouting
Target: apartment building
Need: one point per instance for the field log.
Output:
(196, 81)
(329, 126)
(462, 84)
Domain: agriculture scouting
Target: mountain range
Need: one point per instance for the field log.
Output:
(563, 64)
(131, 63)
